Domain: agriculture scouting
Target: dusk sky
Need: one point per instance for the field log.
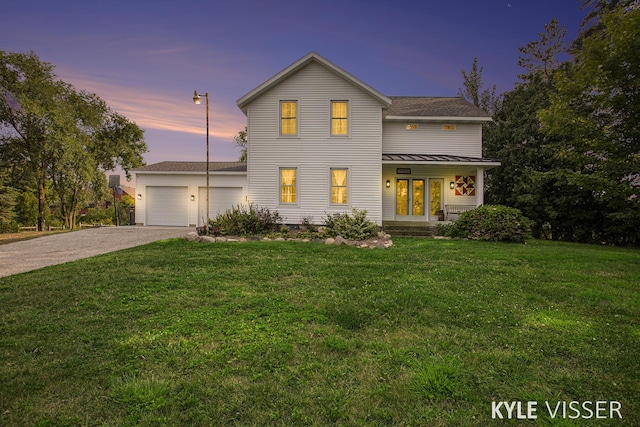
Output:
(145, 58)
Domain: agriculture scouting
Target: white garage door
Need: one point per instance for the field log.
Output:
(167, 206)
(220, 200)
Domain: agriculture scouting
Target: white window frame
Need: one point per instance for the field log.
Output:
(297, 118)
(347, 186)
(348, 118)
(296, 188)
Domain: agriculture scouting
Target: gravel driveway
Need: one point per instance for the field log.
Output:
(36, 253)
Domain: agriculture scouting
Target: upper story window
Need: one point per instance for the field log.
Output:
(339, 118)
(288, 185)
(288, 118)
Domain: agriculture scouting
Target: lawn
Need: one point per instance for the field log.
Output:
(429, 332)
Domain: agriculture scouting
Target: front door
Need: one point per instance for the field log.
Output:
(410, 200)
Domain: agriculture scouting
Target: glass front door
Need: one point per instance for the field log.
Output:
(435, 197)
(410, 197)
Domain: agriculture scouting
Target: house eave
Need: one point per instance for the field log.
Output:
(188, 172)
(441, 162)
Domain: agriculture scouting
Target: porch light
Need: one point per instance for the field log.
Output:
(193, 197)
(388, 184)
(139, 197)
(452, 185)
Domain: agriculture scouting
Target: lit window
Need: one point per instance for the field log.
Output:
(339, 118)
(339, 186)
(288, 118)
(287, 185)
(412, 127)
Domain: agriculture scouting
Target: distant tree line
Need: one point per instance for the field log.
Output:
(568, 134)
(56, 143)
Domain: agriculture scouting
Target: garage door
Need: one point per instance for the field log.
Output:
(167, 206)
(220, 200)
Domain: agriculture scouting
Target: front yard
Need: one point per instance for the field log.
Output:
(428, 332)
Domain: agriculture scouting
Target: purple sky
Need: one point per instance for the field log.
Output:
(145, 58)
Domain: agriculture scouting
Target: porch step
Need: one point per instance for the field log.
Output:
(411, 230)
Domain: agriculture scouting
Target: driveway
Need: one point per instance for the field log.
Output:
(54, 249)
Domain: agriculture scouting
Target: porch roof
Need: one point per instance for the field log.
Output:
(438, 159)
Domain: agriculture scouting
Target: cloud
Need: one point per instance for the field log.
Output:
(165, 111)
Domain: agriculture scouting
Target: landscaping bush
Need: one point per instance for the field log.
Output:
(495, 223)
(243, 220)
(352, 227)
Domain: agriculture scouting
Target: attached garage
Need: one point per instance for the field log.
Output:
(167, 206)
(220, 200)
(174, 193)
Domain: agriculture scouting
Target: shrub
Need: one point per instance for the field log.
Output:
(494, 223)
(243, 220)
(9, 227)
(354, 227)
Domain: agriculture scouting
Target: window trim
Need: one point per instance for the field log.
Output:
(348, 118)
(296, 187)
(281, 118)
(347, 186)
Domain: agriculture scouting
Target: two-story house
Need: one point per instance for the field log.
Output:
(321, 141)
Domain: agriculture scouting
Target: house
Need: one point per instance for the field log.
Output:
(320, 142)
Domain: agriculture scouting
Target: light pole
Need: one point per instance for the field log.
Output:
(197, 99)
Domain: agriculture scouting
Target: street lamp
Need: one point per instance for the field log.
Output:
(197, 99)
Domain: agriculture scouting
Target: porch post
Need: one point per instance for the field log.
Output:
(480, 186)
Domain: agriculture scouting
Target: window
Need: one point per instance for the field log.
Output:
(339, 186)
(288, 118)
(339, 118)
(288, 185)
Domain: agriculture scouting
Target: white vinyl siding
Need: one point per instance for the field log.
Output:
(315, 150)
(432, 138)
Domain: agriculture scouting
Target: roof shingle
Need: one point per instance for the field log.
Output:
(424, 106)
(193, 167)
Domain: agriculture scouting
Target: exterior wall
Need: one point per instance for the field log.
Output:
(432, 138)
(445, 172)
(314, 151)
(193, 181)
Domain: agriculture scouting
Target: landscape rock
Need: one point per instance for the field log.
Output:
(382, 241)
(191, 236)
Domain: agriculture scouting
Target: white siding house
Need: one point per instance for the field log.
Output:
(321, 141)
(313, 151)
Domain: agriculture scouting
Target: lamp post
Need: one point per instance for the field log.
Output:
(197, 99)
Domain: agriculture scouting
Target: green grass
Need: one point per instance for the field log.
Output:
(429, 332)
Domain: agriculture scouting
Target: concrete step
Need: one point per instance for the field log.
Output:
(410, 231)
